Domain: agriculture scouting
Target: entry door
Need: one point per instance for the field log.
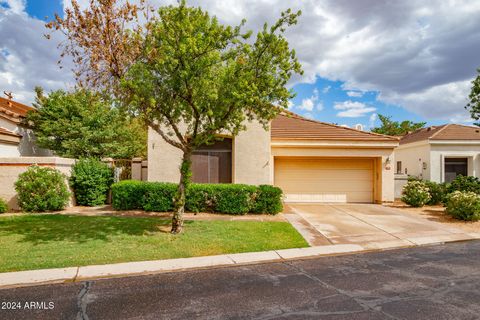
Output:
(325, 179)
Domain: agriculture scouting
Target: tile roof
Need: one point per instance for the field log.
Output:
(443, 132)
(8, 132)
(13, 109)
(292, 126)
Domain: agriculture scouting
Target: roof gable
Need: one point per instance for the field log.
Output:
(443, 132)
(292, 126)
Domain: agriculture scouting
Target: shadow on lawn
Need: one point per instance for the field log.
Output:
(39, 229)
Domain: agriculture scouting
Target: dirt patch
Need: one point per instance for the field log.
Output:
(437, 214)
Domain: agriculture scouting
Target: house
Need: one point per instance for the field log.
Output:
(311, 161)
(15, 139)
(440, 153)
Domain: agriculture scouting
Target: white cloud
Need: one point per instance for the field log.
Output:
(27, 59)
(355, 94)
(371, 120)
(326, 89)
(352, 109)
(13, 6)
(309, 104)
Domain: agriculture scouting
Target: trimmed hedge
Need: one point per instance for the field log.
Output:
(235, 199)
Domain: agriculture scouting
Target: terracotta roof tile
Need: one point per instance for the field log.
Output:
(13, 108)
(443, 132)
(8, 132)
(293, 126)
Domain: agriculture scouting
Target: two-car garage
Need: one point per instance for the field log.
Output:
(325, 179)
(321, 162)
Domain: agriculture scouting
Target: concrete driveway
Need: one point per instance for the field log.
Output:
(366, 223)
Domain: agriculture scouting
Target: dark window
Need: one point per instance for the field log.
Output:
(455, 167)
(213, 163)
(399, 167)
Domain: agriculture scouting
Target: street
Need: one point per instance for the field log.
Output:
(434, 282)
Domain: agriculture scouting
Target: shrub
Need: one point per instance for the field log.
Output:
(462, 183)
(3, 206)
(437, 191)
(158, 196)
(91, 180)
(221, 198)
(268, 200)
(42, 189)
(234, 198)
(464, 205)
(200, 198)
(416, 193)
(128, 195)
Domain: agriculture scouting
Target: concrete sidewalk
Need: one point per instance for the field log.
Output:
(74, 274)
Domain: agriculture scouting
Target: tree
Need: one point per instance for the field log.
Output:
(474, 99)
(83, 124)
(195, 78)
(395, 128)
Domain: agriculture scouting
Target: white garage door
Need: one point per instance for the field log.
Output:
(325, 179)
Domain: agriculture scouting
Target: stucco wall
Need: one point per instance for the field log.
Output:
(440, 151)
(412, 157)
(9, 150)
(27, 146)
(250, 157)
(11, 167)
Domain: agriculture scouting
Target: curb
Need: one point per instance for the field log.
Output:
(77, 274)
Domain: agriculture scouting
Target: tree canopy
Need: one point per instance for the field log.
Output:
(84, 124)
(396, 128)
(189, 77)
(474, 99)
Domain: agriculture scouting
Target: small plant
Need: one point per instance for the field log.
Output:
(416, 193)
(464, 205)
(42, 189)
(462, 183)
(268, 200)
(437, 191)
(91, 180)
(3, 206)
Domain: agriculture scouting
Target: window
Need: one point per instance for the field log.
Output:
(455, 167)
(399, 167)
(213, 163)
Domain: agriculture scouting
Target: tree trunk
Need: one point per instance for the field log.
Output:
(179, 203)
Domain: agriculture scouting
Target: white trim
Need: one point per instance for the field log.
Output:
(457, 142)
(333, 143)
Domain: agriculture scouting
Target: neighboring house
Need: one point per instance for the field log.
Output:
(310, 160)
(440, 153)
(15, 139)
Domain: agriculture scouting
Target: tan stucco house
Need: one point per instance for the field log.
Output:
(311, 161)
(15, 139)
(439, 153)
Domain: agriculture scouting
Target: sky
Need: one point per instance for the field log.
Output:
(411, 60)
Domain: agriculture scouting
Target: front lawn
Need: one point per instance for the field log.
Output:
(52, 241)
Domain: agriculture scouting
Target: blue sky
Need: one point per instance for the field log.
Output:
(410, 60)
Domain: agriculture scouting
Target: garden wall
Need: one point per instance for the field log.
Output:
(400, 181)
(11, 167)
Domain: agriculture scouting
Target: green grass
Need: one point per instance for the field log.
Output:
(53, 241)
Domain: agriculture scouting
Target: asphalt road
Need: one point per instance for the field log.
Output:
(437, 282)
